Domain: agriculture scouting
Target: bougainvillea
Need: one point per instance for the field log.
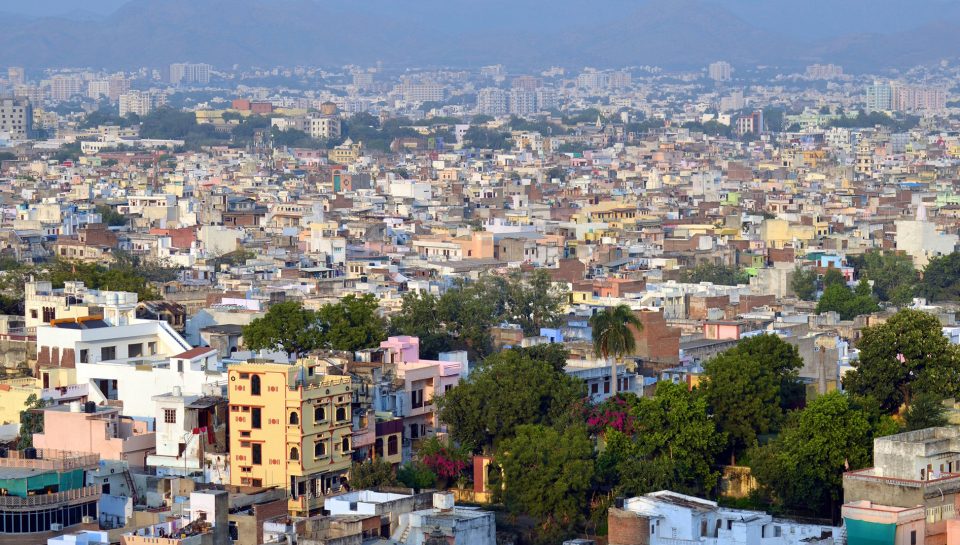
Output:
(611, 414)
(445, 459)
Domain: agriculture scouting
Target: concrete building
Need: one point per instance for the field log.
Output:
(290, 426)
(720, 71)
(16, 119)
(447, 523)
(93, 429)
(921, 239)
(667, 518)
(181, 73)
(493, 102)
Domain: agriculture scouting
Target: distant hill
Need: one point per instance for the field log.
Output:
(669, 33)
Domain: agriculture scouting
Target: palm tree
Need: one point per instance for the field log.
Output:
(613, 337)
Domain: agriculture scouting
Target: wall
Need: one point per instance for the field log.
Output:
(626, 528)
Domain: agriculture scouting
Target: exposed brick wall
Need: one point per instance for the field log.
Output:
(627, 528)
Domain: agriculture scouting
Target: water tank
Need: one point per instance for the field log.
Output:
(618, 503)
(30, 453)
(90, 407)
(75, 407)
(4, 452)
(177, 392)
(443, 501)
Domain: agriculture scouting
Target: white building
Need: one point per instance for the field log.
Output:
(921, 240)
(720, 71)
(668, 518)
(16, 118)
(493, 102)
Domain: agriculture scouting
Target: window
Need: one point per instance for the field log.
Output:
(108, 353)
(414, 431)
(255, 385)
(319, 414)
(392, 445)
(345, 444)
(319, 449)
(169, 416)
(84, 355)
(152, 348)
(416, 399)
(34, 314)
(294, 419)
(255, 454)
(913, 537)
(135, 350)
(294, 454)
(255, 422)
(378, 447)
(341, 414)
(594, 388)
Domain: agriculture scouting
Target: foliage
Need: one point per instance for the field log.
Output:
(893, 275)
(872, 119)
(717, 274)
(420, 318)
(446, 459)
(941, 278)
(365, 128)
(124, 274)
(833, 277)
(417, 476)
(31, 420)
(747, 386)
(352, 323)
(287, 326)
(804, 284)
(802, 469)
(111, 217)
(372, 474)
(526, 390)
(712, 128)
(292, 138)
(907, 355)
(481, 137)
(847, 303)
(612, 335)
(548, 472)
(669, 442)
(534, 302)
(926, 411)
(108, 117)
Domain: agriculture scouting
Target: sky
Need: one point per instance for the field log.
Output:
(801, 18)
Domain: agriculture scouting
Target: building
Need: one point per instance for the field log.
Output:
(290, 426)
(921, 240)
(447, 524)
(824, 71)
(16, 118)
(912, 469)
(140, 102)
(45, 491)
(421, 92)
(181, 73)
(493, 102)
(547, 99)
(191, 436)
(666, 518)
(93, 429)
(64, 87)
(879, 97)
(323, 127)
(867, 522)
(523, 102)
(720, 71)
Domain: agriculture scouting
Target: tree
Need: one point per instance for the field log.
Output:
(926, 411)
(743, 392)
(780, 358)
(372, 474)
(352, 324)
(419, 317)
(893, 275)
(534, 301)
(469, 309)
(670, 443)
(111, 217)
(716, 274)
(31, 420)
(837, 297)
(548, 472)
(804, 284)
(906, 355)
(613, 336)
(941, 278)
(803, 467)
(833, 277)
(287, 326)
(526, 390)
(417, 476)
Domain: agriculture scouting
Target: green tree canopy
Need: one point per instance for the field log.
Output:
(420, 318)
(906, 355)
(802, 469)
(804, 284)
(613, 336)
(31, 420)
(671, 443)
(548, 472)
(287, 326)
(941, 278)
(525, 390)
(372, 474)
(926, 411)
(747, 386)
(717, 274)
(893, 275)
(849, 304)
(352, 323)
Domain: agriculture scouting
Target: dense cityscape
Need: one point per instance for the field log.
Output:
(488, 304)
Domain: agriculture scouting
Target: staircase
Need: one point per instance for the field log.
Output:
(841, 538)
(405, 535)
(128, 478)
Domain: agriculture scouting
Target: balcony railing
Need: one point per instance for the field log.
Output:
(16, 502)
(51, 459)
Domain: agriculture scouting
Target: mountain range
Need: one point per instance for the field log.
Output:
(518, 33)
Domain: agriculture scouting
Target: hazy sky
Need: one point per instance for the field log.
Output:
(56, 7)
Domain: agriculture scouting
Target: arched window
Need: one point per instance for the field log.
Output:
(392, 443)
(345, 444)
(294, 419)
(294, 454)
(319, 414)
(319, 449)
(255, 385)
(378, 447)
(341, 414)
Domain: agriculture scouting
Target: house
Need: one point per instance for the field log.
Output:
(93, 429)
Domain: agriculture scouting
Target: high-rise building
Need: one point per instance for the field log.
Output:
(118, 86)
(493, 71)
(547, 99)
(64, 87)
(913, 98)
(720, 71)
(16, 118)
(323, 127)
(363, 79)
(421, 92)
(879, 97)
(592, 80)
(493, 102)
(185, 73)
(523, 102)
(824, 71)
(98, 88)
(291, 427)
(528, 83)
(620, 79)
(140, 102)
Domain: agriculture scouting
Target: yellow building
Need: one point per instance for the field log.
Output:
(290, 427)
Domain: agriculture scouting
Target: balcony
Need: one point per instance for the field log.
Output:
(78, 495)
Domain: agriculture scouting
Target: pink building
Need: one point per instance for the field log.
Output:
(422, 380)
(103, 431)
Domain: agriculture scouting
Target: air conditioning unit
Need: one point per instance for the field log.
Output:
(56, 527)
(88, 520)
